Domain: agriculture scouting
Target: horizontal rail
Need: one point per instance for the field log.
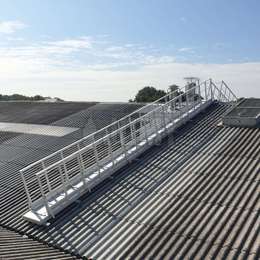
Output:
(104, 137)
(110, 125)
(87, 161)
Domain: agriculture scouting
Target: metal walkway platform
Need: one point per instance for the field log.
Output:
(64, 176)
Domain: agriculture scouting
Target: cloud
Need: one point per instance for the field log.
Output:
(9, 27)
(44, 55)
(103, 84)
(186, 49)
(83, 68)
(15, 39)
(83, 51)
(80, 43)
(118, 48)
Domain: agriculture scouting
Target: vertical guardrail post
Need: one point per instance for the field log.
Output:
(81, 169)
(179, 105)
(133, 129)
(121, 136)
(64, 187)
(214, 91)
(81, 165)
(187, 104)
(164, 116)
(157, 134)
(161, 122)
(94, 147)
(224, 93)
(132, 137)
(197, 99)
(145, 130)
(220, 91)
(206, 91)
(26, 190)
(110, 150)
(172, 108)
(47, 180)
(209, 86)
(64, 166)
(45, 201)
(211, 89)
(224, 98)
(199, 94)
(46, 176)
(155, 122)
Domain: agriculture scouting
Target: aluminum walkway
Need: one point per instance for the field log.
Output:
(67, 174)
(213, 213)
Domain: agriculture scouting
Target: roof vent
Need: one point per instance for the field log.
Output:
(245, 114)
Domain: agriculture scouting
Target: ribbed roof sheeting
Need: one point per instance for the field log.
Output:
(195, 196)
(98, 116)
(207, 209)
(19, 150)
(16, 247)
(39, 112)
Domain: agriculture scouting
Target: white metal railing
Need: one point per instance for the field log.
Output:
(52, 181)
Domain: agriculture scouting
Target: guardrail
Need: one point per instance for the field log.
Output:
(60, 178)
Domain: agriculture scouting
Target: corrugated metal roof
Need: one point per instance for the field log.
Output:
(207, 208)
(17, 150)
(39, 112)
(195, 196)
(14, 247)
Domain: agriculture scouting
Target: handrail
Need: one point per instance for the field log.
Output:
(104, 137)
(114, 123)
(223, 82)
(71, 164)
(106, 127)
(121, 119)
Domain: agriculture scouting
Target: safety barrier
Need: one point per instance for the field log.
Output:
(57, 180)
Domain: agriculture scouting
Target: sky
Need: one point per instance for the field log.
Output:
(106, 50)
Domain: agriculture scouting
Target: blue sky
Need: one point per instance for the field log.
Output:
(107, 50)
